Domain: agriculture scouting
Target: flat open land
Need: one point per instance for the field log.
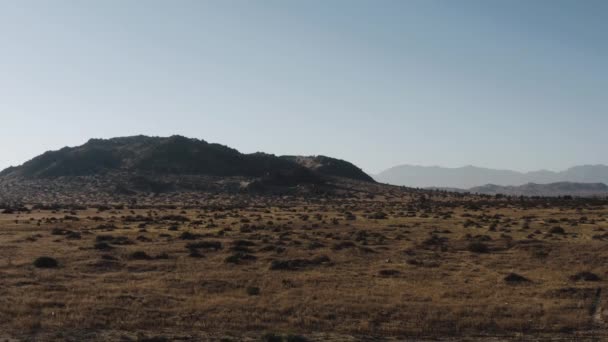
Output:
(403, 265)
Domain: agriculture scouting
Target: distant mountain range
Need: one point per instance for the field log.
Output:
(470, 176)
(551, 189)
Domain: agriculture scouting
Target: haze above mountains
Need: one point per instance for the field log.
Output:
(468, 177)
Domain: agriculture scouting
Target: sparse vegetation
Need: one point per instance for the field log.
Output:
(514, 278)
(478, 247)
(46, 262)
(242, 263)
(585, 276)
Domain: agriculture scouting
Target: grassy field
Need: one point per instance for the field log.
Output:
(394, 267)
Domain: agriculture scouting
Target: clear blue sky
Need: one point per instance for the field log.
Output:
(512, 84)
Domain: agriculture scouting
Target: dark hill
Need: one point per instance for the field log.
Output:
(175, 156)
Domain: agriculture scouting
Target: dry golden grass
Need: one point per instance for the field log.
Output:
(409, 275)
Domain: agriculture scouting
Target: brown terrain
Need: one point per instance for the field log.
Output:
(383, 263)
(334, 260)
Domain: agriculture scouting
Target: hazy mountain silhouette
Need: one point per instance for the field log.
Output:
(552, 189)
(471, 176)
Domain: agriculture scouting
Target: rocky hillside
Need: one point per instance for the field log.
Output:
(173, 155)
(331, 167)
(154, 164)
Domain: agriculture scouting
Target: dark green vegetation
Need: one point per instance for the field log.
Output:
(179, 156)
(139, 165)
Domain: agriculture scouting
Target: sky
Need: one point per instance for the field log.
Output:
(511, 84)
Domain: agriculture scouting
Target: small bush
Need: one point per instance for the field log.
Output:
(272, 337)
(343, 245)
(514, 278)
(298, 264)
(194, 253)
(378, 216)
(215, 245)
(236, 258)
(46, 262)
(478, 247)
(189, 236)
(389, 273)
(163, 256)
(295, 338)
(59, 231)
(585, 276)
(103, 246)
(140, 255)
(253, 291)
(557, 230)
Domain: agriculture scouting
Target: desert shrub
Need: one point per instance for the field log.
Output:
(315, 245)
(241, 249)
(378, 216)
(343, 245)
(115, 240)
(272, 248)
(153, 339)
(389, 273)
(73, 236)
(45, 262)
(59, 231)
(103, 246)
(478, 247)
(163, 256)
(238, 257)
(585, 276)
(272, 337)
(245, 243)
(253, 291)
(215, 245)
(194, 253)
(557, 230)
(242, 246)
(297, 264)
(189, 236)
(514, 278)
(176, 218)
(67, 233)
(142, 238)
(140, 255)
